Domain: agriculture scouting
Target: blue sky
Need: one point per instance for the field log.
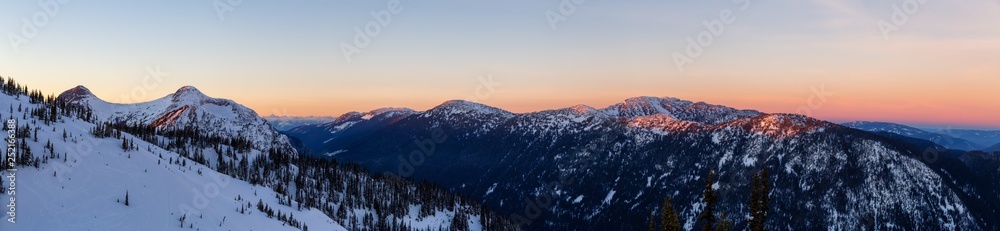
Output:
(285, 57)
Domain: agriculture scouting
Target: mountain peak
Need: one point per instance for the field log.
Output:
(189, 92)
(678, 109)
(582, 109)
(458, 104)
(467, 106)
(75, 94)
(188, 88)
(391, 111)
(80, 88)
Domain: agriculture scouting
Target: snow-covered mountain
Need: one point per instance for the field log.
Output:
(285, 123)
(606, 169)
(325, 139)
(940, 139)
(676, 109)
(330, 138)
(984, 138)
(186, 108)
(85, 164)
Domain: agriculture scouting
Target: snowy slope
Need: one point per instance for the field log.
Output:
(87, 190)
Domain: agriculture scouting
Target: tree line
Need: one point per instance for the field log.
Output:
(758, 203)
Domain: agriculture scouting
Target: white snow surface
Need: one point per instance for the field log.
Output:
(87, 191)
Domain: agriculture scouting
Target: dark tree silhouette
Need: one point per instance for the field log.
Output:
(710, 197)
(759, 200)
(670, 219)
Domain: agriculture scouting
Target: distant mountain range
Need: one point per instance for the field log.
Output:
(985, 138)
(994, 148)
(285, 123)
(980, 137)
(608, 168)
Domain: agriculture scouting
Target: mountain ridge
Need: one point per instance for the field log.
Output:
(187, 107)
(658, 147)
(941, 139)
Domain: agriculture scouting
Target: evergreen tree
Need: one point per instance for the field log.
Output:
(670, 219)
(710, 197)
(724, 224)
(759, 200)
(341, 213)
(459, 223)
(652, 222)
(126, 197)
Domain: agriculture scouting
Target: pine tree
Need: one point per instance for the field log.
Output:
(126, 197)
(459, 223)
(724, 224)
(710, 197)
(759, 200)
(670, 219)
(652, 222)
(342, 213)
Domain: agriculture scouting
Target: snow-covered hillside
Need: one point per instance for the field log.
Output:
(83, 182)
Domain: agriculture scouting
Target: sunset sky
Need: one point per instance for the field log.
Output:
(940, 67)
